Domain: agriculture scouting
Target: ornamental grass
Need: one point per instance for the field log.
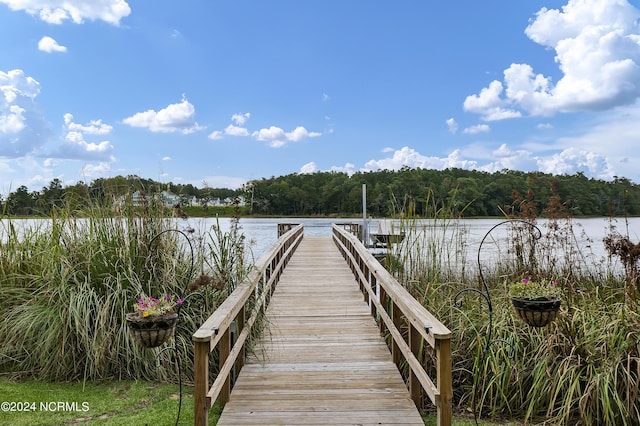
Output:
(67, 284)
(582, 369)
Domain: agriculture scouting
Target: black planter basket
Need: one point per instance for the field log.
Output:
(537, 312)
(151, 332)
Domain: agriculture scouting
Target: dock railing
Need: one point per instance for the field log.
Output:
(228, 328)
(399, 314)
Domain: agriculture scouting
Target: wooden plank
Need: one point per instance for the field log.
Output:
(321, 360)
(415, 312)
(201, 384)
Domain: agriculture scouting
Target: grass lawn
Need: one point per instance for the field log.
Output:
(113, 403)
(109, 403)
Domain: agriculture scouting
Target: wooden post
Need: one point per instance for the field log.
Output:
(225, 348)
(363, 285)
(445, 386)
(383, 302)
(396, 316)
(240, 321)
(415, 388)
(374, 310)
(201, 404)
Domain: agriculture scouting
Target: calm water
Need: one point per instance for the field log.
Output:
(585, 239)
(262, 233)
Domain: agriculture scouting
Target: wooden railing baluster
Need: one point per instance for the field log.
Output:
(394, 309)
(216, 330)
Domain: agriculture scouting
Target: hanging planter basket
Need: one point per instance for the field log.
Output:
(537, 312)
(151, 332)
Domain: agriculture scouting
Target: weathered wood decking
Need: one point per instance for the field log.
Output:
(321, 360)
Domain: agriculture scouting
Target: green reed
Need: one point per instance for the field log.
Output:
(584, 368)
(67, 284)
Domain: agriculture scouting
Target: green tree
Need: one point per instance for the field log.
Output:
(21, 202)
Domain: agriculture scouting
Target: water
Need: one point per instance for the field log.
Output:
(586, 238)
(262, 233)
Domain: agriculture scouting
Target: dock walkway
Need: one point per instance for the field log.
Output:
(321, 360)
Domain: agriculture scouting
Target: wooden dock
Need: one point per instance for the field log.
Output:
(321, 360)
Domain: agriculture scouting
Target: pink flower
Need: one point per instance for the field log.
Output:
(179, 301)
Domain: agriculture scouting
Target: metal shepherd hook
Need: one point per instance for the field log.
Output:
(486, 295)
(179, 312)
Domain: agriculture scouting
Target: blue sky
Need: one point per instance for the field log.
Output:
(222, 92)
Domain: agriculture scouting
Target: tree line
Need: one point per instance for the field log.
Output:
(102, 192)
(468, 193)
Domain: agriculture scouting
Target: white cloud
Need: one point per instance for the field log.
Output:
(411, 158)
(57, 11)
(236, 129)
(309, 168)
(348, 168)
(612, 135)
(95, 127)
(232, 130)
(174, 118)
(565, 161)
(473, 130)
(573, 160)
(275, 136)
(300, 133)
(506, 158)
(42, 180)
(166, 158)
(76, 148)
(15, 84)
(452, 125)
(216, 135)
(95, 170)
(47, 44)
(240, 119)
(278, 137)
(489, 104)
(37, 174)
(52, 162)
(597, 46)
(270, 134)
(13, 120)
(22, 126)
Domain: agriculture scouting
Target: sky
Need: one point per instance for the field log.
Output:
(218, 92)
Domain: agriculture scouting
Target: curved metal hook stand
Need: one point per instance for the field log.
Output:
(179, 312)
(173, 348)
(486, 295)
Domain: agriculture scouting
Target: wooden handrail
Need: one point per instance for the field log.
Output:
(216, 331)
(393, 307)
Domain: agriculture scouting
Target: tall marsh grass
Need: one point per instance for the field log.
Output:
(583, 369)
(67, 284)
